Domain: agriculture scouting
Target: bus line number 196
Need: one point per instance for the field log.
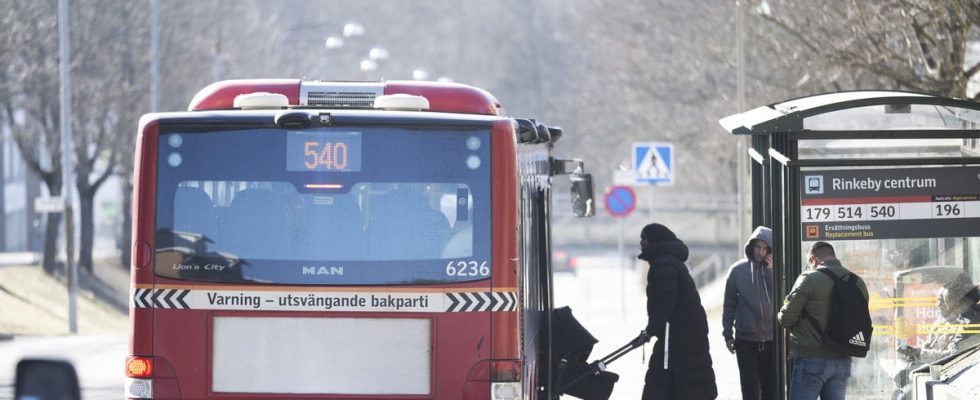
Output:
(947, 210)
(467, 268)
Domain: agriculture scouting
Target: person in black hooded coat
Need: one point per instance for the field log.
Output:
(680, 367)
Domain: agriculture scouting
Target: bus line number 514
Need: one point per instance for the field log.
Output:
(467, 268)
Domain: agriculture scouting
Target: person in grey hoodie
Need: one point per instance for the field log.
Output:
(748, 309)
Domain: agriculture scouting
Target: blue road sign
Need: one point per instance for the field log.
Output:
(620, 200)
(653, 163)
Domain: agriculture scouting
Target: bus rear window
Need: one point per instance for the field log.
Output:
(375, 206)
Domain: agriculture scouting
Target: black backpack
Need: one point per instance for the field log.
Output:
(848, 328)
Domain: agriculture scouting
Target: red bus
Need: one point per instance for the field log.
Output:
(310, 239)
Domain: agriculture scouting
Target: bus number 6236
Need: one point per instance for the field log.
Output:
(467, 268)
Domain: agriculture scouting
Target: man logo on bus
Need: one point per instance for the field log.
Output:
(814, 184)
(322, 270)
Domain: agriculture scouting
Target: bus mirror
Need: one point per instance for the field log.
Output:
(527, 132)
(555, 132)
(583, 195)
(544, 134)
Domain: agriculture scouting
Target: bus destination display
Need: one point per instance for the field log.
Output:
(890, 203)
(323, 151)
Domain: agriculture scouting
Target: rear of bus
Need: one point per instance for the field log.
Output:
(325, 252)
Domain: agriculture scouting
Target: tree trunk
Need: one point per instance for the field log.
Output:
(85, 201)
(52, 228)
(51, 243)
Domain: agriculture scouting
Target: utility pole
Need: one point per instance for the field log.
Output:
(741, 158)
(66, 147)
(154, 56)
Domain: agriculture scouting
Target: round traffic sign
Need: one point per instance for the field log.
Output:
(620, 200)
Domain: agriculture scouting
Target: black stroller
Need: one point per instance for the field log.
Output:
(571, 345)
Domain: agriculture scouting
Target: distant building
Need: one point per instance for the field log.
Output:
(23, 230)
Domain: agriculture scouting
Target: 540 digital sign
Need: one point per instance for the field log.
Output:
(323, 151)
(890, 203)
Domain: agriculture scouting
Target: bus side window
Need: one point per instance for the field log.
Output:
(256, 225)
(401, 214)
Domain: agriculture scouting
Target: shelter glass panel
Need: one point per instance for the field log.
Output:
(885, 148)
(895, 117)
(913, 235)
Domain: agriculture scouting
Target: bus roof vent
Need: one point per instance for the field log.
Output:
(401, 101)
(260, 100)
(339, 94)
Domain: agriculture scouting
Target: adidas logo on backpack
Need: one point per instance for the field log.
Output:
(858, 339)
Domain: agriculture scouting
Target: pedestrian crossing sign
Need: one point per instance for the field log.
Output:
(653, 163)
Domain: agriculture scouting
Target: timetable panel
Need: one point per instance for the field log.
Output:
(890, 203)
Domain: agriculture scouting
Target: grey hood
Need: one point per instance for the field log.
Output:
(761, 233)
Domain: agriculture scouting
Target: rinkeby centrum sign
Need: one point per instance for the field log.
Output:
(890, 203)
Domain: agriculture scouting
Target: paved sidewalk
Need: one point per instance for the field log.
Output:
(19, 258)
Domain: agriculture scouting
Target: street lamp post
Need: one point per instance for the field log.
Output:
(66, 138)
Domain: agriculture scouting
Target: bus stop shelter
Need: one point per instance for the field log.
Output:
(892, 181)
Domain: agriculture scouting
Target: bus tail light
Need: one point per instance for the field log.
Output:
(139, 367)
(139, 388)
(138, 370)
(505, 379)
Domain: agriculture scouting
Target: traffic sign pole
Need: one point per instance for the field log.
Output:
(620, 202)
(622, 266)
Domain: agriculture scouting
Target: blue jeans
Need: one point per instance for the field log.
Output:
(813, 376)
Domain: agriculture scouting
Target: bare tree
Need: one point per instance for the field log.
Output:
(105, 78)
(106, 50)
(133, 79)
(917, 45)
(652, 71)
(30, 105)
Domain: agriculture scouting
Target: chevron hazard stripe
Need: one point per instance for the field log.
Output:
(482, 301)
(272, 300)
(161, 298)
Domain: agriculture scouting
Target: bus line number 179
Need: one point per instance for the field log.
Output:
(817, 213)
(467, 268)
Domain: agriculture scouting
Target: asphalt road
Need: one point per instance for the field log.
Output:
(98, 360)
(608, 300)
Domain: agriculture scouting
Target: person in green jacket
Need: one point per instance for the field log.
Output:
(817, 370)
